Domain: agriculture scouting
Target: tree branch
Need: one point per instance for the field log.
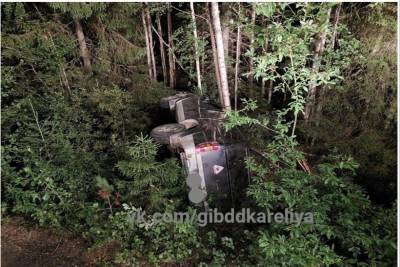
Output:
(180, 10)
(162, 39)
(37, 120)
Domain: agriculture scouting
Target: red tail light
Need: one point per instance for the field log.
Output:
(207, 146)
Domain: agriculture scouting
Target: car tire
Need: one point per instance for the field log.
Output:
(162, 133)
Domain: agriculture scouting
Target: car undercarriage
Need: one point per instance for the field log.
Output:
(214, 163)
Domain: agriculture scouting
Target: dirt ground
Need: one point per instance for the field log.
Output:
(26, 245)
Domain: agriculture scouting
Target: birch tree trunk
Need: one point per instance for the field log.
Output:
(171, 56)
(214, 51)
(150, 34)
(83, 50)
(162, 50)
(220, 56)
(196, 47)
(148, 53)
(318, 50)
(237, 63)
(225, 38)
(251, 61)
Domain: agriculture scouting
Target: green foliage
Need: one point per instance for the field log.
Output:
(157, 242)
(103, 184)
(184, 48)
(33, 154)
(150, 182)
(121, 45)
(343, 231)
(280, 149)
(287, 56)
(74, 156)
(307, 250)
(54, 137)
(80, 10)
(358, 114)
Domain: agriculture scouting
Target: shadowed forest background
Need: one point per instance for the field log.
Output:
(309, 86)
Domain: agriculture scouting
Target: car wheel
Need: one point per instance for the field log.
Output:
(162, 133)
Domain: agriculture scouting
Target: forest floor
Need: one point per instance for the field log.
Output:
(25, 245)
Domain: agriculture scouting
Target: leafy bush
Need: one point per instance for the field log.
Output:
(347, 226)
(74, 157)
(150, 182)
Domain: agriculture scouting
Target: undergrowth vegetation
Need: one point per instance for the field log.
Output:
(76, 156)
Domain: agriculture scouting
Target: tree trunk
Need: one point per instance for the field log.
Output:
(335, 23)
(318, 50)
(270, 91)
(390, 119)
(238, 45)
(251, 62)
(220, 55)
(148, 53)
(318, 112)
(215, 57)
(83, 50)
(263, 81)
(225, 38)
(162, 50)
(262, 87)
(171, 56)
(150, 34)
(196, 47)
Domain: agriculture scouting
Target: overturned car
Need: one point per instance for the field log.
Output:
(214, 163)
